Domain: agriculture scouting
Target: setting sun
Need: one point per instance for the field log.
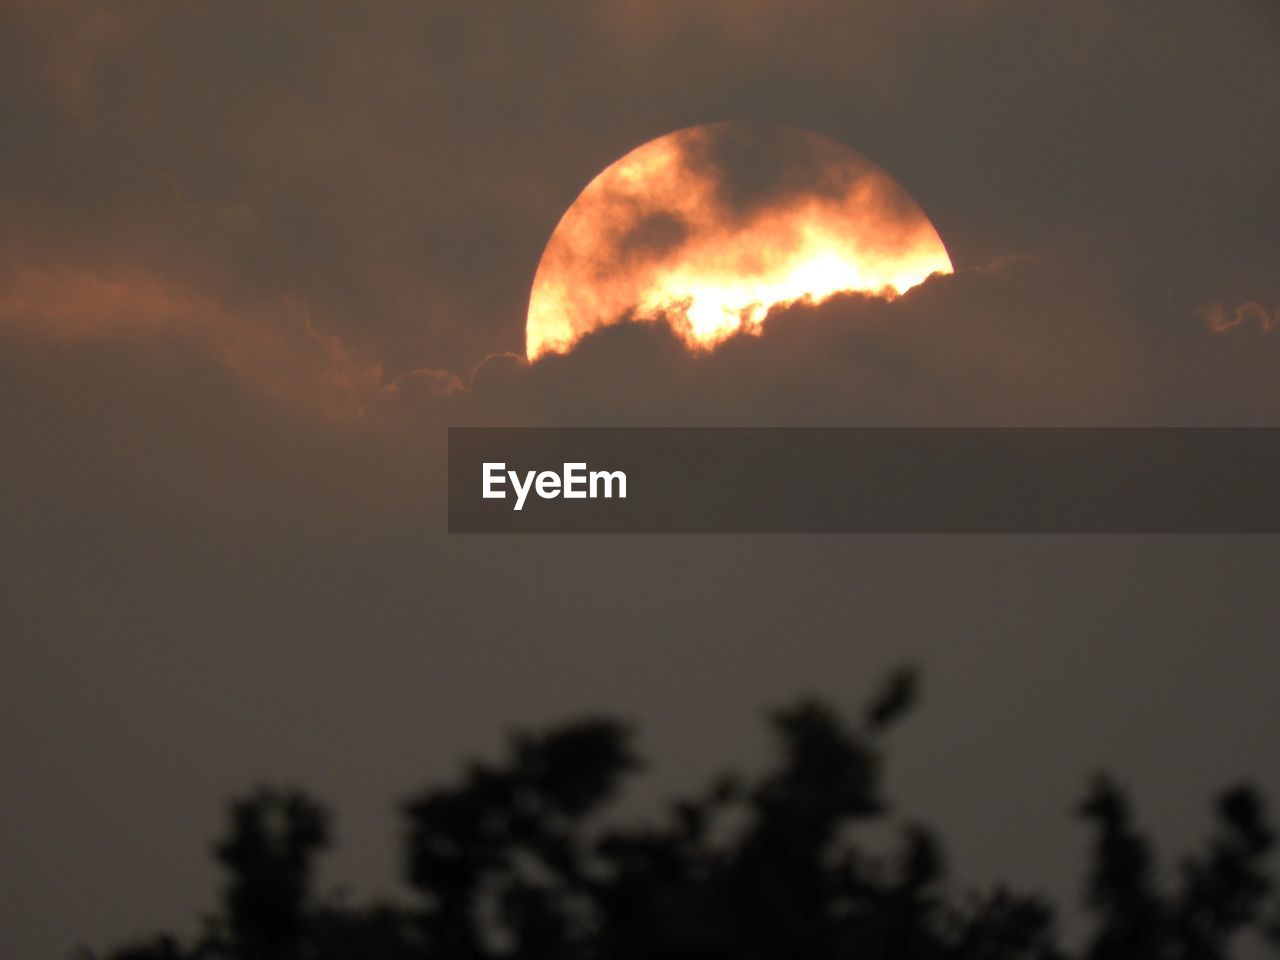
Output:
(709, 228)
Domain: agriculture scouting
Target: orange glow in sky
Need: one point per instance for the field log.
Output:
(709, 228)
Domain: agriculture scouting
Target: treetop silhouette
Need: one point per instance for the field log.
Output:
(516, 860)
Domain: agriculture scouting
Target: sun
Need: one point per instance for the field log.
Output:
(709, 228)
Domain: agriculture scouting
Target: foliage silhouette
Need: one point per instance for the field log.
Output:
(514, 861)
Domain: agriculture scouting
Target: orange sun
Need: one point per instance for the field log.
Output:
(709, 228)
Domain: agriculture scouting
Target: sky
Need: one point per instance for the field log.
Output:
(254, 259)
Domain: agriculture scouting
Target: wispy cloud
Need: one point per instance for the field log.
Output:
(1219, 318)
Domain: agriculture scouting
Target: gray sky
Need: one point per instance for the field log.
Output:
(254, 259)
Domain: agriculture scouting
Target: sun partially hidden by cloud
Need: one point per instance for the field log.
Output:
(711, 227)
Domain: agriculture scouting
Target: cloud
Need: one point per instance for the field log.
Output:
(1219, 319)
(76, 42)
(1030, 341)
(273, 347)
(1046, 339)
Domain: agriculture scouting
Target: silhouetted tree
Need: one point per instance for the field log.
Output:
(270, 856)
(514, 862)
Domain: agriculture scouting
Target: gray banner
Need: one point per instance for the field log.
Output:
(917, 480)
